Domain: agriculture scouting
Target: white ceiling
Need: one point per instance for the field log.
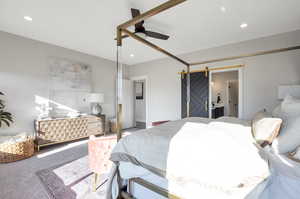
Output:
(89, 25)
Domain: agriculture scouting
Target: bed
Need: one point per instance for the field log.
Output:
(195, 157)
(205, 158)
(171, 156)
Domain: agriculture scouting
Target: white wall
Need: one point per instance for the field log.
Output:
(24, 75)
(140, 106)
(262, 75)
(220, 86)
(128, 104)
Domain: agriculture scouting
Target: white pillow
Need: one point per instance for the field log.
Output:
(289, 137)
(13, 139)
(6, 139)
(265, 128)
(290, 106)
(277, 112)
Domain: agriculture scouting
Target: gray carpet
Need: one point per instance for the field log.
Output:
(71, 180)
(18, 180)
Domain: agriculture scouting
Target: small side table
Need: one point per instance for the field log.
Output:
(103, 119)
(218, 112)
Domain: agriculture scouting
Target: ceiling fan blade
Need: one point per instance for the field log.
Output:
(156, 35)
(135, 13)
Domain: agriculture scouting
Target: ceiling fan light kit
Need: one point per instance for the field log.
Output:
(141, 34)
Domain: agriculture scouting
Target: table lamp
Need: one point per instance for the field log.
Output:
(96, 99)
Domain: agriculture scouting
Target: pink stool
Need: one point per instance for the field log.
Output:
(99, 153)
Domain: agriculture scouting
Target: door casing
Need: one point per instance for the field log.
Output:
(146, 95)
(241, 96)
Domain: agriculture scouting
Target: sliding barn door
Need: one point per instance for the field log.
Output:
(199, 95)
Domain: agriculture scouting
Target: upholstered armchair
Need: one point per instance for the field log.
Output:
(99, 152)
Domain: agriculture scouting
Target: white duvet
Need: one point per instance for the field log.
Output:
(217, 156)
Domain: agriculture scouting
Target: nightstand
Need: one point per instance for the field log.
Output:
(103, 121)
(218, 112)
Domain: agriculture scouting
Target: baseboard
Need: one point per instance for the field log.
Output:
(140, 125)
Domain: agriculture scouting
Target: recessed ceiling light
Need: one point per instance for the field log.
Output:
(244, 25)
(131, 55)
(27, 18)
(223, 9)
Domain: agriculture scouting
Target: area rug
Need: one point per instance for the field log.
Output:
(72, 180)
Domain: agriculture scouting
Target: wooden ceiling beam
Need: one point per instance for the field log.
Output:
(134, 36)
(247, 55)
(150, 13)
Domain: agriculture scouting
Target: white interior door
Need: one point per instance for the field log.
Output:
(128, 106)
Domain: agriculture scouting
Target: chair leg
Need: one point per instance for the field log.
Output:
(95, 181)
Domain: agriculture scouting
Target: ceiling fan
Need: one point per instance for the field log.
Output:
(140, 29)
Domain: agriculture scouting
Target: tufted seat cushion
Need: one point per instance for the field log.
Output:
(99, 153)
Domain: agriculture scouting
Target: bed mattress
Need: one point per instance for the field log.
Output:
(283, 182)
(190, 191)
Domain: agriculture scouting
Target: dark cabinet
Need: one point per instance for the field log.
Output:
(217, 112)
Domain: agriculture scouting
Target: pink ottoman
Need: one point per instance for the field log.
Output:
(99, 153)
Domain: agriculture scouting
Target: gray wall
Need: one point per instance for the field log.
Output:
(24, 75)
(262, 75)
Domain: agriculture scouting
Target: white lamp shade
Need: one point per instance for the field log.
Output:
(96, 98)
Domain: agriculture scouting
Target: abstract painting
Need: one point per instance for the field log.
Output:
(70, 84)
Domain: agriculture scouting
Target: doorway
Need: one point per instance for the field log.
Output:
(140, 103)
(225, 93)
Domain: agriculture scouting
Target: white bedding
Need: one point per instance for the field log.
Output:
(128, 170)
(197, 153)
(284, 181)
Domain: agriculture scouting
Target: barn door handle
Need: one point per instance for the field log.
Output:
(206, 106)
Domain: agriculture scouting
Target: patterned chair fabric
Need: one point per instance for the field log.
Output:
(99, 153)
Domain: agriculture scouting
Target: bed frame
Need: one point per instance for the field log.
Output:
(148, 185)
(122, 31)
